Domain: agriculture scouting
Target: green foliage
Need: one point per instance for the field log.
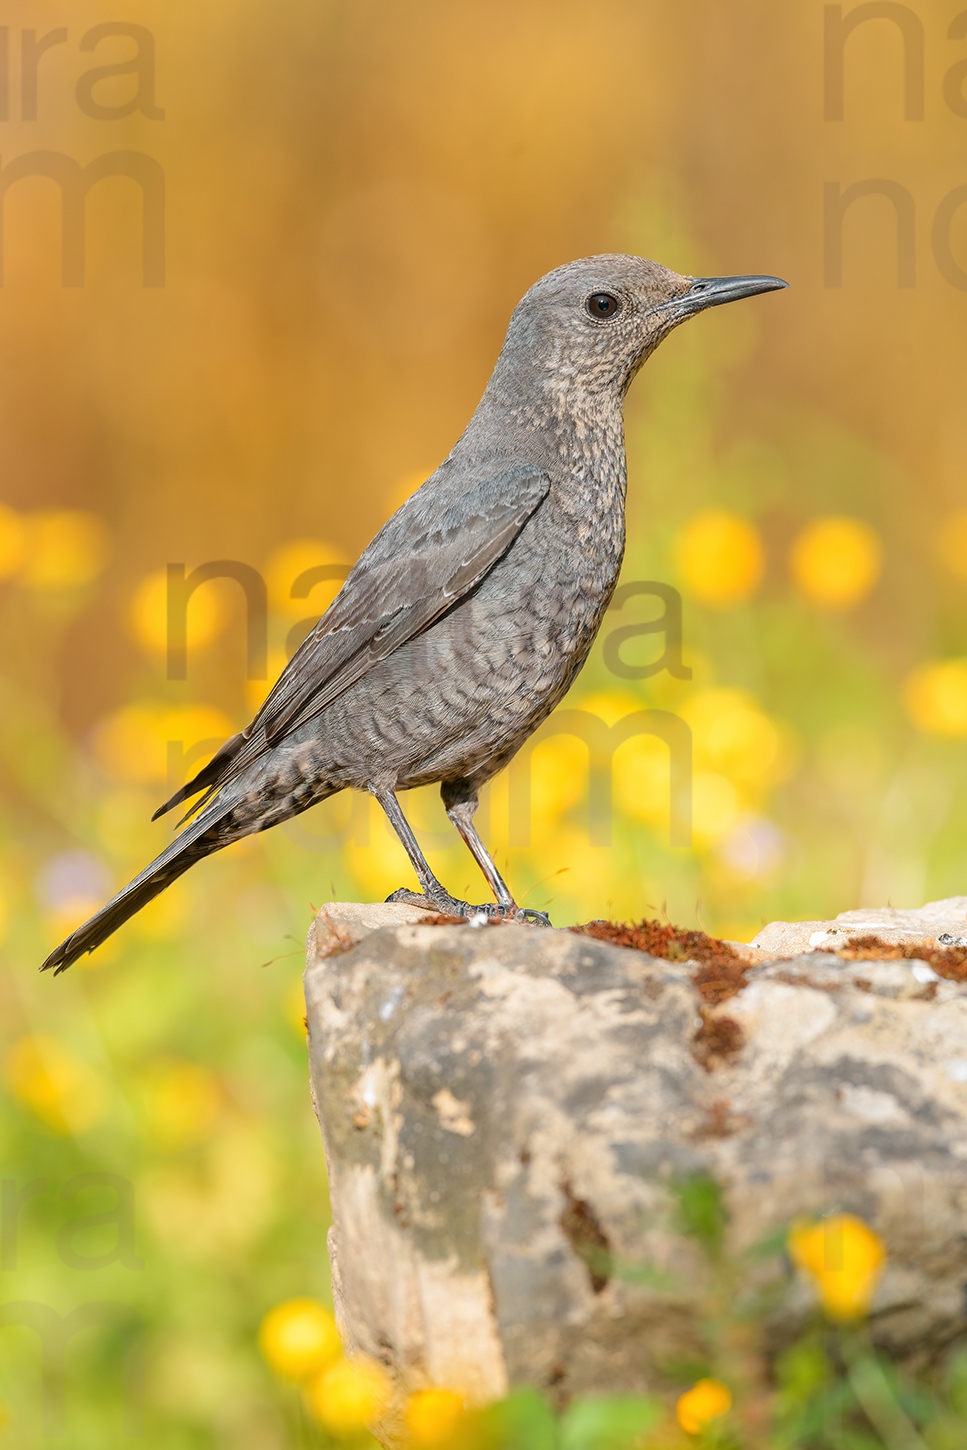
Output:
(702, 1211)
(523, 1421)
(955, 1383)
(599, 1422)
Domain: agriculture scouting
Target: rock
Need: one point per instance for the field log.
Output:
(337, 928)
(789, 938)
(507, 1111)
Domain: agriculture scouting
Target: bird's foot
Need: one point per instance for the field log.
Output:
(448, 905)
(535, 918)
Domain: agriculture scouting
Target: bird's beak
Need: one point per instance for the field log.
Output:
(713, 291)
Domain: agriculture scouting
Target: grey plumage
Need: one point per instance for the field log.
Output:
(466, 619)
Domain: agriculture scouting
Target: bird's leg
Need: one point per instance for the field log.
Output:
(462, 816)
(461, 806)
(434, 893)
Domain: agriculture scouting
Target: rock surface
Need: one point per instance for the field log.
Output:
(937, 918)
(506, 1112)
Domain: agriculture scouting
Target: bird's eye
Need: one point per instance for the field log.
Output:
(602, 304)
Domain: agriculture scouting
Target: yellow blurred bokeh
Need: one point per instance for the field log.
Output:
(609, 706)
(71, 913)
(299, 1338)
(216, 1205)
(382, 865)
(13, 541)
(294, 1008)
(935, 695)
(719, 557)
(952, 542)
(256, 691)
(181, 1103)
(204, 617)
(154, 744)
(285, 569)
(433, 1417)
(641, 780)
(844, 1258)
(166, 917)
(561, 765)
(716, 807)
(836, 561)
(558, 769)
(350, 1395)
(733, 734)
(64, 548)
(706, 1401)
(63, 1091)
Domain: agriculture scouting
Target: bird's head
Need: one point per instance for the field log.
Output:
(587, 327)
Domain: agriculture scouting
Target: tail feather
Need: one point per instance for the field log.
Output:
(207, 778)
(183, 852)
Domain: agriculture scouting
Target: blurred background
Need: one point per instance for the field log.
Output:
(354, 198)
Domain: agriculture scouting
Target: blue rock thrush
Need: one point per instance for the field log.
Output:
(465, 620)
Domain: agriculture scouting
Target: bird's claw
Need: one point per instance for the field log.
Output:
(449, 906)
(536, 918)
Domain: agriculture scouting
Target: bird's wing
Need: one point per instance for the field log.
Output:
(405, 580)
(429, 555)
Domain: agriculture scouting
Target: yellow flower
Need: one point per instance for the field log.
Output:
(705, 1401)
(46, 1077)
(844, 1258)
(204, 616)
(432, 1416)
(64, 548)
(349, 1395)
(936, 697)
(836, 561)
(299, 1338)
(719, 557)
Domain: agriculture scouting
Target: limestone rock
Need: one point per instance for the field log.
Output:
(789, 938)
(506, 1112)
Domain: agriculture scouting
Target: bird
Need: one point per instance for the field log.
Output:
(466, 619)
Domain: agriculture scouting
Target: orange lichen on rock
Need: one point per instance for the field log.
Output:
(722, 971)
(718, 1041)
(949, 962)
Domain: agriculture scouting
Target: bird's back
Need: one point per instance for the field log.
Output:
(459, 699)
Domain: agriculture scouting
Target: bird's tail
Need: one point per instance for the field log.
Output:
(198, 840)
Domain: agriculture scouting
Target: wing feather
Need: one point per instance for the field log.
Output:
(433, 552)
